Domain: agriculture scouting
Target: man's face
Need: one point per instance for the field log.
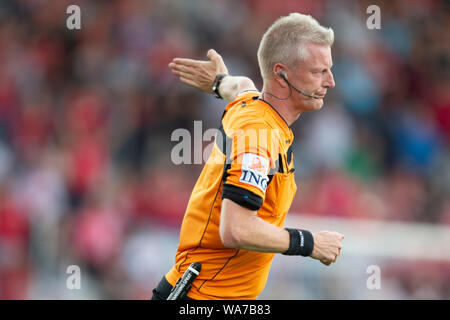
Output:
(313, 76)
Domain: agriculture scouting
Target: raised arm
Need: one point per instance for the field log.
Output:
(201, 74)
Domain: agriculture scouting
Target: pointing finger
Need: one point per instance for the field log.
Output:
(187, 62)
(183, 68)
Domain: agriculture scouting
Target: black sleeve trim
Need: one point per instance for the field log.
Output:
(242, 197)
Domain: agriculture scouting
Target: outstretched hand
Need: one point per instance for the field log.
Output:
(199, 74)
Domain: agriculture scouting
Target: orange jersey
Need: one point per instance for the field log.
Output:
(251, 163)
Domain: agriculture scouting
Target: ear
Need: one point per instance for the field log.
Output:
(281, 75)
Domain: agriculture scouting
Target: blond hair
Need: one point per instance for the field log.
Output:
(286, 38)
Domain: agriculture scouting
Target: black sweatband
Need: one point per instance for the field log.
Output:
(301, 242)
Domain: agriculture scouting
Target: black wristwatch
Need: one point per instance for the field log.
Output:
(216, 84)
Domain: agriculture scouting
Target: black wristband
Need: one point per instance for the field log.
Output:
(301, 242)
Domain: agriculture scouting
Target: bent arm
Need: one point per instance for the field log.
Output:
(231, 86)
(241, 228)
(201, 75)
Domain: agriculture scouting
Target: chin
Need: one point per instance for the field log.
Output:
(319, 104)
(311, 105)
(315, 105)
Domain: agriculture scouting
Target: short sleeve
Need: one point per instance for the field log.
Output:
(246, 174)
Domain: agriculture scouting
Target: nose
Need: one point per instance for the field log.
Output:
(329, 81)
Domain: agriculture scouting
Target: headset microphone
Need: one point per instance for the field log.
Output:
(283, 74)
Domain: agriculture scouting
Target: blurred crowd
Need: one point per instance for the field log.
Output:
(86, 118)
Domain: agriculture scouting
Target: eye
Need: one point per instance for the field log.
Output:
(326, 72)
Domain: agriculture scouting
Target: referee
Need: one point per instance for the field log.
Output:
(234, 221)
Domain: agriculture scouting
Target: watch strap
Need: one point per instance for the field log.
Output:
(216, 84)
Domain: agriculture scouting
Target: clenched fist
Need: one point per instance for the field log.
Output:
(327, 246)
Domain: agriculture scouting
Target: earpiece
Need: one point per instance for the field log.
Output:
(282, 74)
